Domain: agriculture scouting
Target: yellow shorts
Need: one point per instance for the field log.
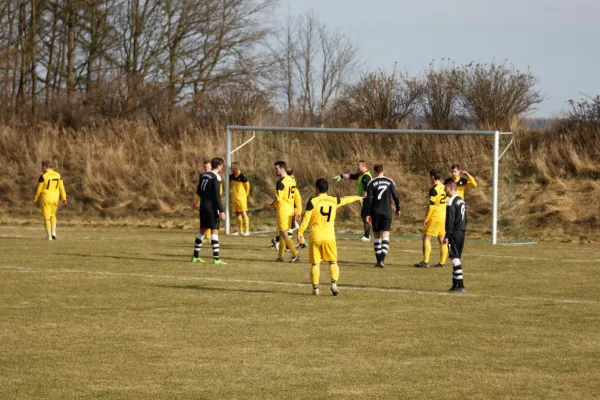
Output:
(239, 205)
(284, 222)
(48, 208)
(436, 228)
(323, 250)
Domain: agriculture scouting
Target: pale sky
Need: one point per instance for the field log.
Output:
(559, 40)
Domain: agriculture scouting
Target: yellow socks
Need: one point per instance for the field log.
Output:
(443, 253)
(247, 223)
(53, 223)
(48, 226)
(290, 244)
(240, 220)
(334, 271)
(315, 275)
(426, 250)
(282, 245)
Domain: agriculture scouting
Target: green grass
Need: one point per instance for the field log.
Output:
(122, 313)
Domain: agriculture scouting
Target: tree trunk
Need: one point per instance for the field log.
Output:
(70, 21)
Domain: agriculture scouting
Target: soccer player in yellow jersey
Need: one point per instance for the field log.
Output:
(50, 187)
(435, 221)
(462, 184)
(320, 217)
(297, 213)
(240, 190)
(284, 203)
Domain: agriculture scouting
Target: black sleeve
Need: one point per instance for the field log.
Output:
(449, 220)
(279, 185)
(354, 177)
(365, 180)
(309, 205)
(432, 193)
(41, 179)
(366, 209)
(395, 197)
(217, 189)
(243, 178)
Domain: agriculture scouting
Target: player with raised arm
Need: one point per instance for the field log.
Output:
(284, 203)
(377, 210)
(50, 187)
(240, 190)
(464, 183)
(211, 210)
(320, 217)
(363, 176)
(456, 225)
(434, 221)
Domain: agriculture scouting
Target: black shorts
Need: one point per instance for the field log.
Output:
(456, 241)
(209, 219)
(381, 223)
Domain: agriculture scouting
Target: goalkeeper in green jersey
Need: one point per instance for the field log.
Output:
(363, 176)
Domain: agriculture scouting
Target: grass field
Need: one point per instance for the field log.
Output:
(123, 314)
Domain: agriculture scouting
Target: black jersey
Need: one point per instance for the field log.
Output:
(456, 215)
(380, 192)
(209, 190)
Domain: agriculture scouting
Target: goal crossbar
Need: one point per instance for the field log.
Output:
(496, 135)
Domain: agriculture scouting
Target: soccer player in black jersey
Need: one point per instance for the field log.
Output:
(456, 224)
(377, 211)
(211, 210)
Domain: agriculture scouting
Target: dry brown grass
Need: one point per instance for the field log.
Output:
(124, 173)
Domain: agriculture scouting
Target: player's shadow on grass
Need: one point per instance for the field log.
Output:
(216, 289)
(122, 257)
(208, 257)
(391, 288)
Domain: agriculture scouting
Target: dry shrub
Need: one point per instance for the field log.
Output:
(377, 100)
(493, 94)
(441, 97)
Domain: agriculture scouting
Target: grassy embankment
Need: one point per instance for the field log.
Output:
(123, 173)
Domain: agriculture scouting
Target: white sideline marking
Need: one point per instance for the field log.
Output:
(4, 268)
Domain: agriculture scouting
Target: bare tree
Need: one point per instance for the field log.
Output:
(226, 40)
(313, 64)
(177, 48)
(7, 51)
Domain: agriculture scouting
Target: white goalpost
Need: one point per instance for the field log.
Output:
(496, 156)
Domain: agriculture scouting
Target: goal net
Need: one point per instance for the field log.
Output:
(407, 156)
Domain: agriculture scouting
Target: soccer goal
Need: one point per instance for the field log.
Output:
(495, 136)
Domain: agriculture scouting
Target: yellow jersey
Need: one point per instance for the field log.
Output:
(284, 196)
(240, 186)
(437, 203)
(320, 216)
(50, 186)
(462, 184)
